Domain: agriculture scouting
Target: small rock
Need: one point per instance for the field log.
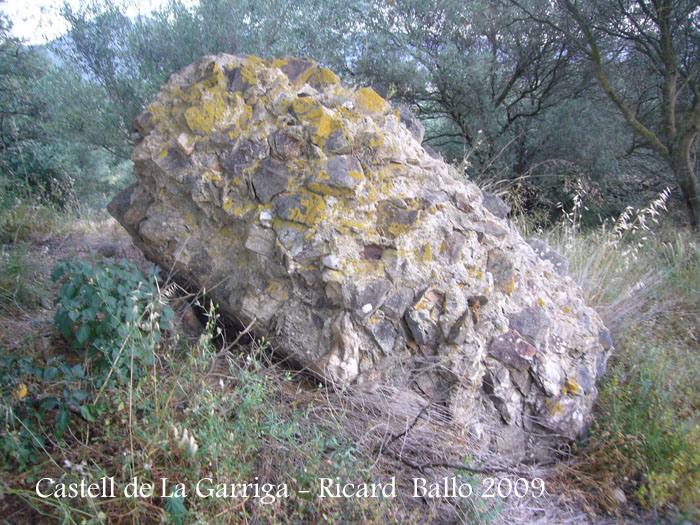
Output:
(422, 318)
(186, 143)
(338, 176)
(261, 241)
(495, 205)
(513, 351)
(269, 179)
(547, 253)
(107, 249)
(619, 496)
(531, 323)
(383, 333)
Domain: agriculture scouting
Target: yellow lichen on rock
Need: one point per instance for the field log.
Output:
(571, 386)
(367, 101)
(322, 76)
(315, 209)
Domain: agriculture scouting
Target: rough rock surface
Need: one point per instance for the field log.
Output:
(314, 209)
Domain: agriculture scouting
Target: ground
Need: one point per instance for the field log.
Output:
(213, 406)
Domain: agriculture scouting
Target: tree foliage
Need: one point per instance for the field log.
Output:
(507, 85)
(658, 41)
(28, 157)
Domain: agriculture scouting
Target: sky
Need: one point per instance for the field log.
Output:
(38, 21)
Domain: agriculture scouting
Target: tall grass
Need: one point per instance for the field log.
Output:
(643, 277)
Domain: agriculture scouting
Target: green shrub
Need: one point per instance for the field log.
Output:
(113, 312)
(26, 404)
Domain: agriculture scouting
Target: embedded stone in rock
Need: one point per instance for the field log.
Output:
(296, 67)
(422, 318)
(397, 216)
(384, 333)
(531, 323)
(244, 155)
(284, 146)
(501, 267)
(371, 296)
(314, 209)
(269, 179)
(585, 379)
(547, 253)
(496, 205)
(414, 126)
(303, 207)
(605, 339)
(261, 241)
(398, 301)
(340, 175)
(513, 351)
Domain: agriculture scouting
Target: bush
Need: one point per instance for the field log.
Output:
(104, 310)
(107, 308)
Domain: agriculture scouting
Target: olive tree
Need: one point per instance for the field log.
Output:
(660, 40)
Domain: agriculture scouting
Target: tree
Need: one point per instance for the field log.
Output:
(29, 157)
(472, 64)
(661, 38)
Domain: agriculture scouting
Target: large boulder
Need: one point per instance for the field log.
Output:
(313, 209)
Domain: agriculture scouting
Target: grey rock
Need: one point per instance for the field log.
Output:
(547, 253)
(284, 146)
(413, 125)
(297, 207)
(371, 296)
(601, 363)
(585, 379)
(500, 389)
(422, 318)
(269, 179)
(432, 153)
(460, 330)
(261, 241)
(495, 205)
(107, 249)
(549, 375)
(502, 268)
(338, 176)
(314, 212)
(296, 67)
(531, 323)
(605, 339)
(243, 155)
(397, 301)
(383, 333)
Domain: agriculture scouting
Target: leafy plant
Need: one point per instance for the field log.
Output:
(112, 312)
(25, 407)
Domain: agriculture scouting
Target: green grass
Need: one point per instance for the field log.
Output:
(20, 290)
(244, 418)
(195, 414)
(646, 285)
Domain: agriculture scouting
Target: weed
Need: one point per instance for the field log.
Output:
(25, 221)
(645, 284)
(19, 290)
(107, 308)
